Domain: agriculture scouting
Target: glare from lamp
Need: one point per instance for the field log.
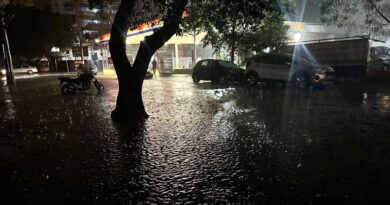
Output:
(55, 49)
(297, 37)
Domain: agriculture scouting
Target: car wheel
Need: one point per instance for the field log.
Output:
(252, 79)
(195, 79)
(301, 80)
(30, 72)
(223, 79)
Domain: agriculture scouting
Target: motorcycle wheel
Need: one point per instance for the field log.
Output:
(68, 89)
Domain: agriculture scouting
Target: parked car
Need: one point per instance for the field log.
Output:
(379, 64)
(25, 69)
(218, 71)
(379, 58)
(22, 69)
(300, 72)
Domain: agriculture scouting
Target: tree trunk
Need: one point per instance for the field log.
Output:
(233, 45)
(233, 51)
(129, 104)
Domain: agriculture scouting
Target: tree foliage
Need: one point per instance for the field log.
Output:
(239, 25)
(358, 17)
(8, 9)
(33, 32)
(270, 33)
(143, 11)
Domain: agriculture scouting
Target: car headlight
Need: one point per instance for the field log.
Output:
(3, 71)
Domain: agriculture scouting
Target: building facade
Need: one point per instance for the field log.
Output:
(89, 24)
(180, 52)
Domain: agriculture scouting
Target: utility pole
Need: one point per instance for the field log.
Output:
(194, 54)
(78, 24)
(9, 73)
(6, 49)
(81, 45)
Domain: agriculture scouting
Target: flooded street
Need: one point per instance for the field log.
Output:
(203, 144)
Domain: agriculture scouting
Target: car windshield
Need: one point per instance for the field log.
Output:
(298, 59)
(382, 51)
(227, 64)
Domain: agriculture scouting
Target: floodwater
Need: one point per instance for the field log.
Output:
(203, 144)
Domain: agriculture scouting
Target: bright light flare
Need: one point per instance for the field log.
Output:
(297, 37)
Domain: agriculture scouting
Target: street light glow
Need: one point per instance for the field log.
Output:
(297, 37)
(55, 49)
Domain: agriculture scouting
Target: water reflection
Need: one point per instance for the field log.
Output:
(202, 144)
(8, 110)
(303, 146)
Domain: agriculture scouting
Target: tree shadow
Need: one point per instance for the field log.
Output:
(128, 183)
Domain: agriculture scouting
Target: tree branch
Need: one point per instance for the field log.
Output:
(379, 12)
(155, 41)
(118, 37)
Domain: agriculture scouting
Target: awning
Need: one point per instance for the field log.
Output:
(141, 29)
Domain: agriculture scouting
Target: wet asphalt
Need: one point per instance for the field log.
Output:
(203, 144)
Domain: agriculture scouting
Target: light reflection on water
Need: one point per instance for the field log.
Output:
(202, 144)
(8, 109)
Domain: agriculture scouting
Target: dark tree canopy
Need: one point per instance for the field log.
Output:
(142, 11)
(270, 33)
(239, 25)
(33, 32)
(358, 17)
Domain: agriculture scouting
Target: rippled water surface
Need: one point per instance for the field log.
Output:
(202, 144)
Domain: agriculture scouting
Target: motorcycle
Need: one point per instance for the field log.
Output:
(82, 82)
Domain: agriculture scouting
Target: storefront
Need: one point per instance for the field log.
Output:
(178, 54)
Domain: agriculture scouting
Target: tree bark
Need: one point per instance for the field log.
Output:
(234, 39)
(129, 104)
(233, 51)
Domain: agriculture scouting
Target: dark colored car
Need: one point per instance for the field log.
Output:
(379, 58)
(218, 71)
(379, 64)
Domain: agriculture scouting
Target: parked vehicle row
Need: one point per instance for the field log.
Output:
(299, 72)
